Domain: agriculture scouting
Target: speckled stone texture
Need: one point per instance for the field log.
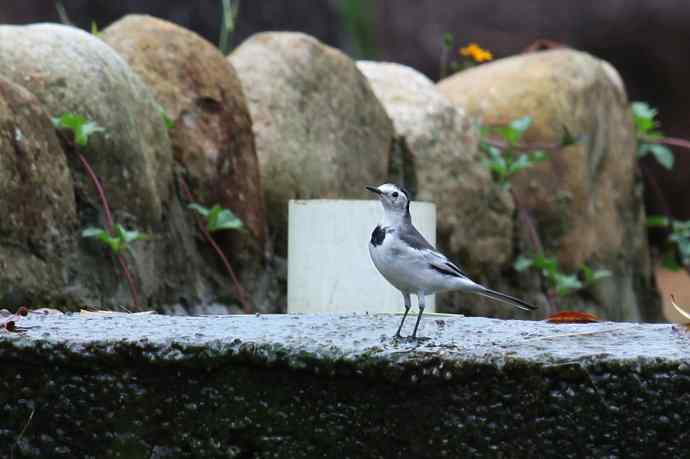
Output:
(338, 386)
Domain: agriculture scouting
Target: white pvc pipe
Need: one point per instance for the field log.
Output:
(329, 268)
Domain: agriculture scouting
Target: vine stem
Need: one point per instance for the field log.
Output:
(110, 224)
(247, 306)
(535, 241)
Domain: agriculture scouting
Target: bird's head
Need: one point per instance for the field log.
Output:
(394, 199)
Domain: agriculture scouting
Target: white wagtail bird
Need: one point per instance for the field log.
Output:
(411, 264)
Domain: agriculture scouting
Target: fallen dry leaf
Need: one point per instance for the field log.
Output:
(572, 317)
(682, 312)
(678, 308)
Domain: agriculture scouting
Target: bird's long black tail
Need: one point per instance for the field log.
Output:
(506, 299)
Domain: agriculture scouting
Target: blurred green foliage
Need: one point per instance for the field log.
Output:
(563, 284)
(504, 160)
(677, 246)
(649, 135)
(359, 21)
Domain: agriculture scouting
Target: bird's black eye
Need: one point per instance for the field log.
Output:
(395, 194)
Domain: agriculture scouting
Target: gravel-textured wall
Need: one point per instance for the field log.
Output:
(338, 386)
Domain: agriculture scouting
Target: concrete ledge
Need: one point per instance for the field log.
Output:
(337, 386)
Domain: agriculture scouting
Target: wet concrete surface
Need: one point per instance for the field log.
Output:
(338, 385)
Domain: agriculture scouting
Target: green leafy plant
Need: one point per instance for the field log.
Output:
(358, 19)
(563, 284)
(116, 237)
(217, 218)
(79, 125)
(119, 241)
(649, 135)
(505, 160)
(678, 243)
(167, 122)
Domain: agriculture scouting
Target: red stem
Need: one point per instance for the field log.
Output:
(110, 224)
(101, 192)
(673, 141)
(241, 293)
(534, 238)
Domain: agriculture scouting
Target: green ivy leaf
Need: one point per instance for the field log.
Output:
(129, 236)
(657, 221)
(522, 263)
(226, 220)
(203, 211)
(80, 127)
(117, 242)
(167, 122)
(217, 218)
(662, 153)
(566, 284)
(104, 237)
(643, 117)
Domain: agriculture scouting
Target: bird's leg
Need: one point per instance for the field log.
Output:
(420, 298)
(408, 305)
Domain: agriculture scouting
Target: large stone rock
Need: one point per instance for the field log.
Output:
(320, 130)
(338, 386)
(475, 217)
(212, 135)
(585, 199)
(70, 70)
(37, 207)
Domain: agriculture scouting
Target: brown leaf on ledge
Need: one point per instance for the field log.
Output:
(572, 317)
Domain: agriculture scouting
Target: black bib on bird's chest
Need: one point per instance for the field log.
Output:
(377, 236)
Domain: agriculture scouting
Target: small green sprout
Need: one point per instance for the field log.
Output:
(678, 244)
(217, 218)
(230, 10)
(80, 126)
(118, 242)
(504, 162)
(563, 284)
(94, 29)
(166, 119)
(648, 134)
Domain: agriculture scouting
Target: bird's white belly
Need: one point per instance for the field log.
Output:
(404, 268)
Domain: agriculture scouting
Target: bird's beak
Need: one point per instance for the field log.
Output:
(374, 190)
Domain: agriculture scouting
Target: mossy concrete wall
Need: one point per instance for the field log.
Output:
(337, 386)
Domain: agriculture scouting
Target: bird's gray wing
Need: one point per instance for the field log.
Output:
(410, 236)
(413, 238)
(439, 262)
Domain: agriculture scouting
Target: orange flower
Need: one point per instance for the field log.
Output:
(476, 52)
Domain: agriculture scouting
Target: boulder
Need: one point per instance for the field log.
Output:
(212, 135)
(37, 205)
(475, 216)
(70, 70)
(320, 130)
(585, 199)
